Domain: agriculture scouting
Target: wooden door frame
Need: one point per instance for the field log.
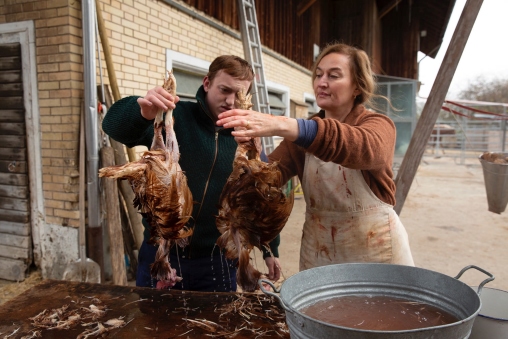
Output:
(24, 33)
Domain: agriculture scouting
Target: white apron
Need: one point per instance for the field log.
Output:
(345, 222)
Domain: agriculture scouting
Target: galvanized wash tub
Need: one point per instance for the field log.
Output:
(417, 284)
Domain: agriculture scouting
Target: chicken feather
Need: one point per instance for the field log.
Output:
(253, 209)
(161, 192)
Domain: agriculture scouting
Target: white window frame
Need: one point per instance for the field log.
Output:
(281, 90)
(186, 62)
(312, 98)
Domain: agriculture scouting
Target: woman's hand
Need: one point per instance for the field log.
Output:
(155, 100)
(255, 124)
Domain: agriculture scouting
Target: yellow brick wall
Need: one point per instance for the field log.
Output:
(60, 83)
(139, 32)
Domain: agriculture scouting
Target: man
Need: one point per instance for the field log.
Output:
(206, 156)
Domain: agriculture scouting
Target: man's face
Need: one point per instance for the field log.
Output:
(222, 92)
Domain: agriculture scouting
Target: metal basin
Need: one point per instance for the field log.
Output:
(496, 184)
(417, 284)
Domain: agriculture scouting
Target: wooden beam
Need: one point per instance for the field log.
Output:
(114, 221)
(135, 218)
(433, 105)
(387, 9)
(303, 6)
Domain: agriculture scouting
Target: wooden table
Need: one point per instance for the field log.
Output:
(146, 312)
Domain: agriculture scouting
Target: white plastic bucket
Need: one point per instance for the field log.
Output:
(492, 321)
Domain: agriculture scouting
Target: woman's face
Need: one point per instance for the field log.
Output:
(333, 84)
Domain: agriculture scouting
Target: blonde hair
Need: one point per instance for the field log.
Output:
(360, 69)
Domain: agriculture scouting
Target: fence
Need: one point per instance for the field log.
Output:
(469, 132)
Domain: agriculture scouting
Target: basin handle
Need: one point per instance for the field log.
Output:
(260, 283)
(479, 269)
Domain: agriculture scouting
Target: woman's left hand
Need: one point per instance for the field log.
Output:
(249, 124)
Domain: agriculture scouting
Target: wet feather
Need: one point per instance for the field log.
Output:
(161, 192)
(253, 208)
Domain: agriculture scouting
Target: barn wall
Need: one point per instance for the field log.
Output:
(355, 22)
(280, 27)
(139, 53)
(401, 30)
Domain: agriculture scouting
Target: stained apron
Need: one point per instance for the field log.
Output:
(345, 222)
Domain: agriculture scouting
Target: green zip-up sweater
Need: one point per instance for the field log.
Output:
(206, 156)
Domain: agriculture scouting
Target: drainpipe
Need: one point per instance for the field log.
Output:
(95, 250)
(503, 127)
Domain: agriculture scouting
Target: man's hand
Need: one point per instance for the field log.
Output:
(155, 100)
(239, 140)
(274, 268)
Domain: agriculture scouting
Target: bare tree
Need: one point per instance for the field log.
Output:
(490, 90)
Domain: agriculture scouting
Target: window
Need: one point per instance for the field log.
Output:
(187, 84)
(277, 107)
(402, 94)
(189, 73)
(278, 99)
(310, 100)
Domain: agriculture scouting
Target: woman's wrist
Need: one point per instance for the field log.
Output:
(288, 128)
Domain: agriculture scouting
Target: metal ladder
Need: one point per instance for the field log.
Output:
(253, 54)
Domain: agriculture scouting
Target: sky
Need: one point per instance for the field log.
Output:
(485, 54)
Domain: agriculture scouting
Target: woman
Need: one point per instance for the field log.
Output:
(343, 156)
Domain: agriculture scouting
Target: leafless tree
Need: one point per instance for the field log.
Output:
(490, 90)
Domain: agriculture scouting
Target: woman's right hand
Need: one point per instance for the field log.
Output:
(249, 123)
(155, 100)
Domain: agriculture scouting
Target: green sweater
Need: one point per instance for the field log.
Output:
(206, 155)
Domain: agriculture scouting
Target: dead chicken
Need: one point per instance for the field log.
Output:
(496, 158)
(253, 209)
(161, 192)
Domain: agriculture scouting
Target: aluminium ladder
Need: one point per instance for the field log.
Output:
(253, 54)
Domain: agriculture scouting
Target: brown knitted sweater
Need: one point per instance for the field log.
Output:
(364, 141)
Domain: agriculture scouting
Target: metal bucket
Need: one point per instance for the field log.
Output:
(407, 282)
(496, 184)
(492, 321)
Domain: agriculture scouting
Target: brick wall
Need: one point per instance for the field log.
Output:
(141, 31)
(60, 83)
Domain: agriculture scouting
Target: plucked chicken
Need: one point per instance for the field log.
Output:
(253, 208)
(161, 192)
